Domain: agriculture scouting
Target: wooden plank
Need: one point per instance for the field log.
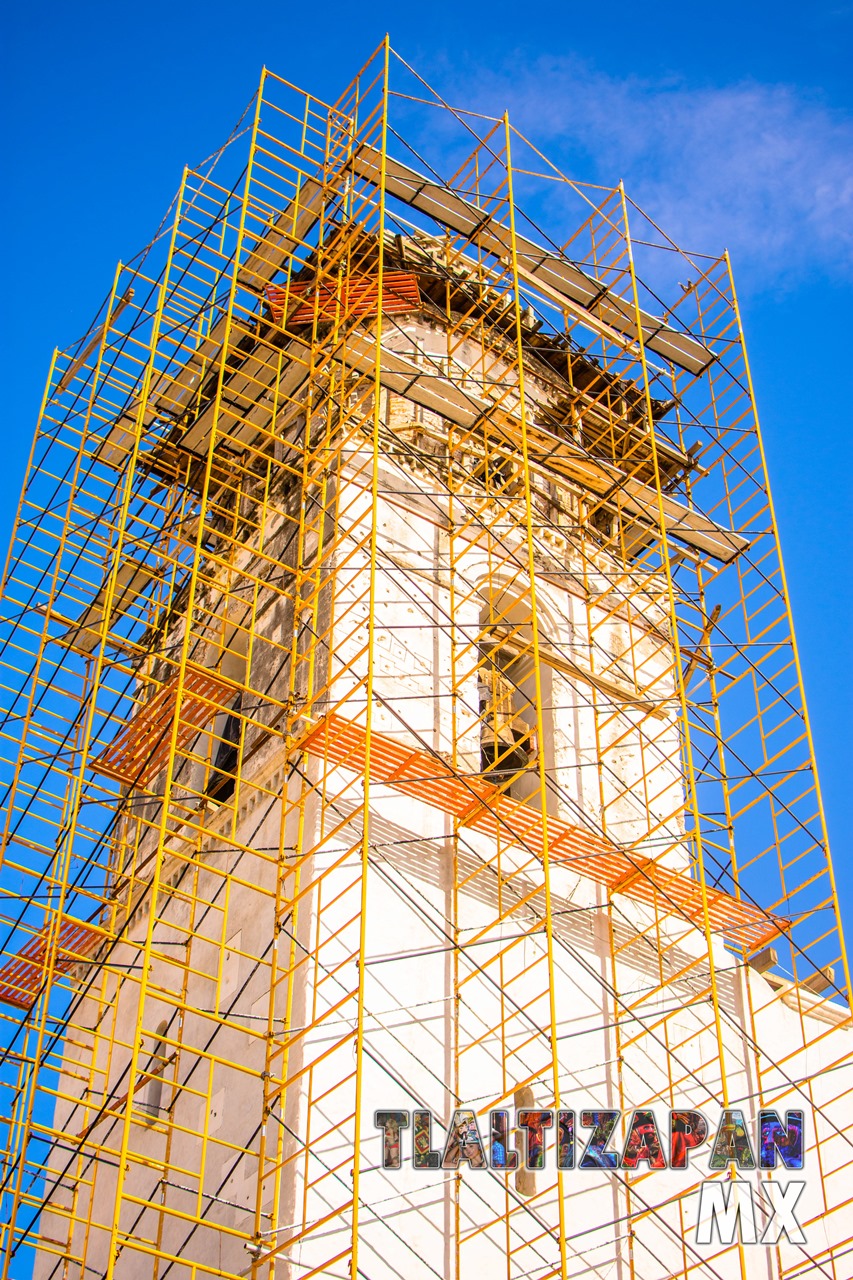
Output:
(565, 277)
(431, 389)
(283, 237)
(132, 579)
(256, 374)
(170, 395)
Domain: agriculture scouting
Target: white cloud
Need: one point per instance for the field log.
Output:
(764, 170)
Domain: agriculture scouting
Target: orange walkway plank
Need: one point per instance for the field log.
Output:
(22, 976)
(477, 804)
(140, 750)
(358, 296)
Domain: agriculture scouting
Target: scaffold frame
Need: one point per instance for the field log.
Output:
(210, 700)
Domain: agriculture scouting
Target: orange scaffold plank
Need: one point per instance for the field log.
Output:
(477, 804)
(140, 750)
(22, 976)
(356, 297)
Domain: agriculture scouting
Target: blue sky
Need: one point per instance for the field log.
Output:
(731, 123)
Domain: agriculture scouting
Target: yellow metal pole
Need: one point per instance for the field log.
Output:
(681, 691)
(371, 641)
(540, 725)
(793, 637)
(67, 825)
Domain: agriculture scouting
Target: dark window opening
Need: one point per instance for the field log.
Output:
(496, 474)
(224, 766)
(604, 522)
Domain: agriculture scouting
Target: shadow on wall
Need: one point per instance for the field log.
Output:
(575, 926)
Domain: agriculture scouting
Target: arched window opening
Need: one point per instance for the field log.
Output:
(509, 746)
(152, 1096)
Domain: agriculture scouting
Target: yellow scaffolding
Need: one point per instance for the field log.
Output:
(397, 591)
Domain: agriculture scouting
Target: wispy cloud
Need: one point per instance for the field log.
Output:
(764, 170)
